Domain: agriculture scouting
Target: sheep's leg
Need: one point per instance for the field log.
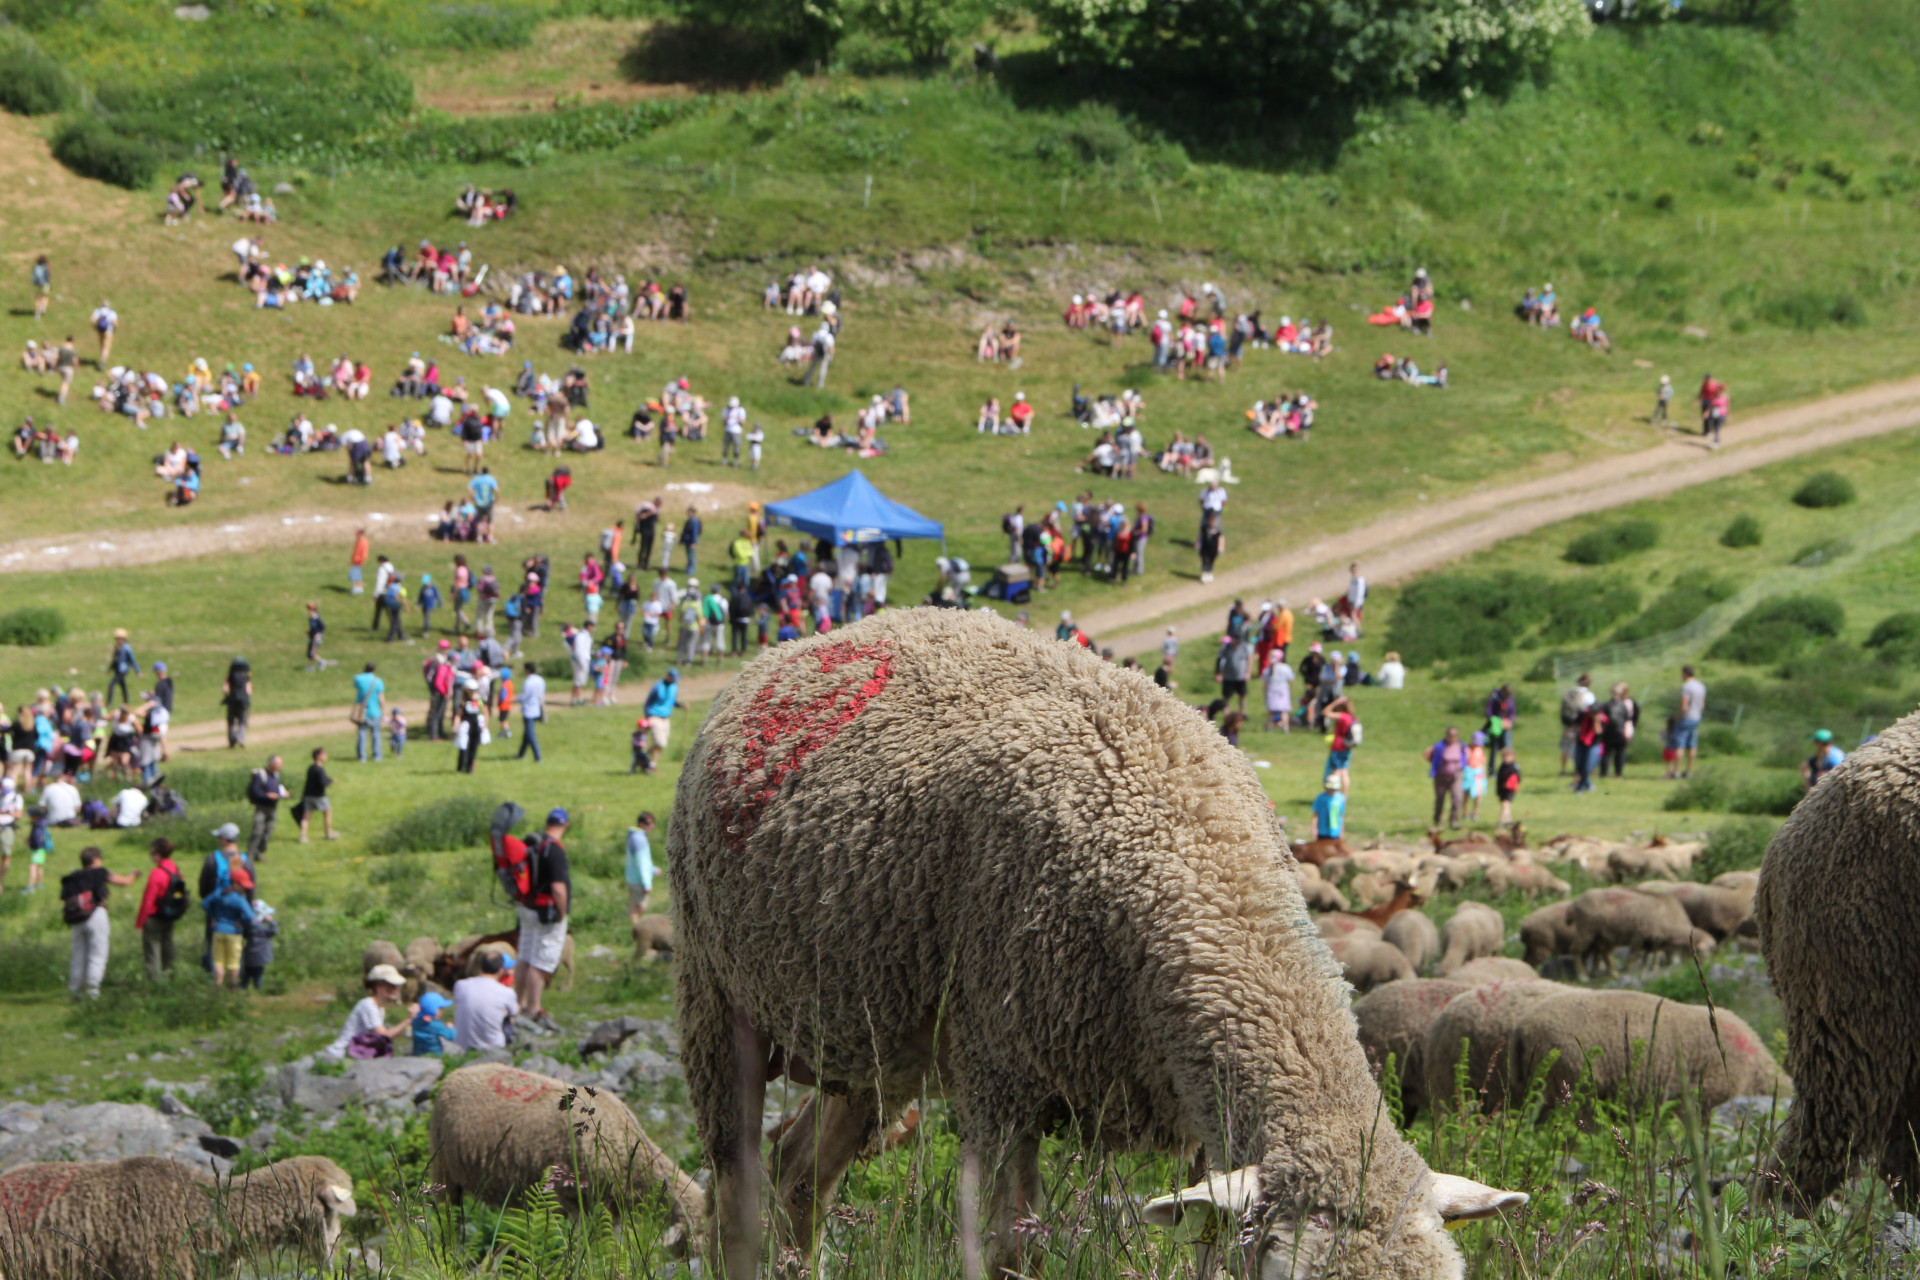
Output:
(1016, 1190)
(1900, 1165)
(828, 1135)
(1842, 1105)
(726, 1066)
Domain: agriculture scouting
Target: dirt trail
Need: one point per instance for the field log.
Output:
(1391, 548)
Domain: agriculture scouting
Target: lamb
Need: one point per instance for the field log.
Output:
(1369, 962)
(423, 955)
(147, 1217)
(381, 952)
(933, 840)
(1474, 930)
(496, 1130)
(1545, 933)
(1839, 926)
(1480, 1024)
(653, 936)
(1478, 973)
(1645, 923)
(1414, 933)
(1529, 878)
(1722, 1055)
(1320, 895)
(1393, 1020)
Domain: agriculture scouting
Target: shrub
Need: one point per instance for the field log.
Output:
(210, 786)
(183, 1000)
(90, 147)
(32, 84)
(263, 108)
(1723, 740)
(1470, 622)
(33, 627)
(1776, 796)
(1778, 629)
(1733, 846)
(1578, 609)
(451, 822)
(1812, 309)
(1614, 542)
(1676, 607)
(482, 26)
(1896, 636)
(1744, 531)
(1703, 791)
(1824, 489)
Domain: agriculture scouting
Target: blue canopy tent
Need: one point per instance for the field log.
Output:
(850, 512)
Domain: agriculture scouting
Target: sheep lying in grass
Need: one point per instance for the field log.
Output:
(148, 1217)
(1839, 924)
(1480, 1024)
(496, 1130)
(1393, 1021)
(1474, 930)
(1414, 933)
(1601, 920)
(1723, 1057)
(934, 840)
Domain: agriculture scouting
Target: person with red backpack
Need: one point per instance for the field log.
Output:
(161, 906)
(535, 875)
(83, 896)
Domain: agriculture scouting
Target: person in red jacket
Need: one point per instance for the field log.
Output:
(154, 921)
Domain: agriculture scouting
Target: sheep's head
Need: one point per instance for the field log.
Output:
(1227, 1215)
(335, 1197)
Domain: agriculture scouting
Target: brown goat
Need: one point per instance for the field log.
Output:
(1405, 898)
(1318, 851)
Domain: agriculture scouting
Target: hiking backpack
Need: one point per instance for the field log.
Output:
(76, 904)
(172, 904)
(513, 858)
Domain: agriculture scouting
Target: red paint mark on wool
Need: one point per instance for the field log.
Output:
(518, 1086)
(779, 731)
(26, 1193)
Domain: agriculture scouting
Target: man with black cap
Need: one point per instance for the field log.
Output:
(543, 928)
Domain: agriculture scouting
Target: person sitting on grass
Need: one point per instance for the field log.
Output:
(366, 1023)
(989, 420)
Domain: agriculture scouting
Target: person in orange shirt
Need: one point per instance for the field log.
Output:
(358, 562)
(1282, 629)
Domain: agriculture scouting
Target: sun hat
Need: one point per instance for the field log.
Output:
(385, 973)
(226, 831)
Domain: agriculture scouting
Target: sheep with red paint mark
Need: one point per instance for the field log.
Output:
(933, 850)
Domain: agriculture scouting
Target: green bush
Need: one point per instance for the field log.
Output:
(1895, 631)
(1733, 846)
(32, 627)
(484, 26)
(32, 84)
(1676, 607)
(1614, 542)
(1723, 740)
(1469, 622)
(210, 786)
(451, 822)
(1702, 792)
(1824, 489)
(1577, 609)
(264, 108)
(184, 1000)
(1744, 531)
(1808, 309)
(90, 147)
(1778, 629)
(38, 15)
(1775, 796)
(32, 966)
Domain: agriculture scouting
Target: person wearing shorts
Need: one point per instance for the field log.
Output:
(543, 932)
(640, 870)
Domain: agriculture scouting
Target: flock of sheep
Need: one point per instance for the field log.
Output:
(932, 855)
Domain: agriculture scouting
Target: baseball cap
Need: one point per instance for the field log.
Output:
(1823, 735)
(226, 831)
(386, 973)
(558, 817)
(432, 1003)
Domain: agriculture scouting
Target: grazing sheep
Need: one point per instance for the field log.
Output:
(1315, 852)
(1645, 923)
(147, 1217)
(1723, 1057)
(476, 957)
(1371, 889)
(1745, 881)
(653, 935)
(1414, 933)
(1474, 930)
(934, 840)
(1480, 1023)
(1321, 896)
(1369, 962)
(1545, 933)
(496, 1130)
(1340, 924)
(1589, 854)
(423, 955)
(1393, 1020)
(381, 952)
(1839, 925)
(1478, 973)
(1529, 878)
(1671, 861)
(1714, 909)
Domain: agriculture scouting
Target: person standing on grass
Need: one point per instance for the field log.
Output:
(533, 710)
(646, 524)
(316, 631)
(265, 791)
(462, 595)
(543, 930)
(639, 866)
(1572, 703)
(42, 286)
(1589, 741)
(1356, 595)
(690, 537)
(83, 897)
(357, 562)
(662, 701)
(1232, 665)
(396, 607)
(105, 321)
(1623, 717)
(1447, 767)
(428, 600)
(1330, 809)
(237, 693)
(611, 539)
(1662, 403)
(1211, 543)
(229, 914)
(487, 590)
(470, 733)
(161, 906)
(314, 798)
(119, 663)
(1686, 728)
(68, 364)
(368, 693)
(1506, 784)
(383, 572)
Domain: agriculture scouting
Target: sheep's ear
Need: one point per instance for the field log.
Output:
(338, 1199)
(1224, 1194)
(1463, 1200)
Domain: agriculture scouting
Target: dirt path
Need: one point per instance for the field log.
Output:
(1431, 534)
